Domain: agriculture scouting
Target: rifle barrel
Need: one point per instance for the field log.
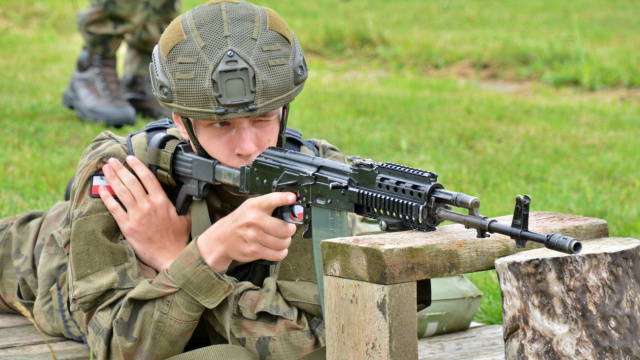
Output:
(556, 242)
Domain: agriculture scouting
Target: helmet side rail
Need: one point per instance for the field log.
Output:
(400, 197)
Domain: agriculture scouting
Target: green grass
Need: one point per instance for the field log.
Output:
(587, 43)
(385, 84)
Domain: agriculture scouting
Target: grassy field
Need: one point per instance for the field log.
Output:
(498, 97)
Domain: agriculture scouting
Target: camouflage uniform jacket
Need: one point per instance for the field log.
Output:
(87, 271)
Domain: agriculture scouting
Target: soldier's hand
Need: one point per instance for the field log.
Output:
(249, 233)
(147, 218)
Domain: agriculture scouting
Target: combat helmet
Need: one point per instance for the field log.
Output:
(227, 59)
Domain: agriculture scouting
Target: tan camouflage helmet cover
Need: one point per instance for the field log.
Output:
(227, 59)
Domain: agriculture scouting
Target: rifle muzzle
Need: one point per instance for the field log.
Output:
(563, 243)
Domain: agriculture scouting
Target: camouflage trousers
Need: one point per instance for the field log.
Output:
(33, 270)
(105, 23)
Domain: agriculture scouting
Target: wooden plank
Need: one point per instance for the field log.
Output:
(22, 336)
(478, 343)
(19, 340)
(370, 321)
(392, 258)
(11, 320)
(64, 350)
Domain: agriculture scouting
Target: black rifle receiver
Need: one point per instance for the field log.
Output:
(400, 197)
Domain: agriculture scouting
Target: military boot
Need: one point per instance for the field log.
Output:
(137, 91)
(94, 92)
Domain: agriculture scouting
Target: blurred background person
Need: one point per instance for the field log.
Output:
(95, 91)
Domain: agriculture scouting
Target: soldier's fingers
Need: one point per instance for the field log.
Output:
(273, 255)
(112, 205)
(276, 243)
(145, 175)
(278, 228)
(128, 179)
(271, 201)
(118, 187)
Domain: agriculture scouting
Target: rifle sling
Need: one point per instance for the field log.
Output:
(160, 161)
(200, 220)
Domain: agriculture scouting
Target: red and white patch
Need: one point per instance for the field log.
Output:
(98, 180)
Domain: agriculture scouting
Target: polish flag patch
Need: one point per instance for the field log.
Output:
(98, 180)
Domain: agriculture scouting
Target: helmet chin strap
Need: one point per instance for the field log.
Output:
(282, 139)
(284, 116)
(188, 125)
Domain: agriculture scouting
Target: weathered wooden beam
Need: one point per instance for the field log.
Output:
(584, 306)
(24, 335)
(373, 317)
(11, 320)
(67, 350)
(392, 258)
(478, 343)
(19, 340)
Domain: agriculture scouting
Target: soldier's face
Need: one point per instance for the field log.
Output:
(236, 142)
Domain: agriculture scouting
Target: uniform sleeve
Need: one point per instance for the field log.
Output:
(263, 321)
(127, 308)
(156, 318)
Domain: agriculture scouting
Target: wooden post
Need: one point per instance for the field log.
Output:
(584, 306)
(373, 316)
(370, 291)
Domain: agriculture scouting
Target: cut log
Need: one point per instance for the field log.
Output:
(584, 306)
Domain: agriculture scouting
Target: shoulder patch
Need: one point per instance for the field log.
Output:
(98, 180)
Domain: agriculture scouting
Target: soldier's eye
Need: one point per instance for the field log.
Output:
(220, 124)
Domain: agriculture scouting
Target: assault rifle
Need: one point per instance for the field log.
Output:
(400, 197)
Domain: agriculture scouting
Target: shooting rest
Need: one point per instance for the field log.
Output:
(370, 281)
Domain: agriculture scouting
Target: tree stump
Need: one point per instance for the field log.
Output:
(584, 306)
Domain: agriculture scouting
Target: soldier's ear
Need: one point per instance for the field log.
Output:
(183, 131)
